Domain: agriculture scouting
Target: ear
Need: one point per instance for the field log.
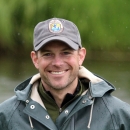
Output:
(82, 55)
(34, 57)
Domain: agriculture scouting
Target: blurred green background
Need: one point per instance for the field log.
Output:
(104, 27)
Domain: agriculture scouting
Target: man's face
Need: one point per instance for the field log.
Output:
(58, 65)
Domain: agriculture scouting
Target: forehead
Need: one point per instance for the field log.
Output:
(55, 45)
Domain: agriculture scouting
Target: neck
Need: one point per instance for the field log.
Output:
(59, 94)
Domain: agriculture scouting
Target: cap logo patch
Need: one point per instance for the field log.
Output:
(55, 26)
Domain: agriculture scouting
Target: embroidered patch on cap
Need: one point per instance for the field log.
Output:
(55, 26)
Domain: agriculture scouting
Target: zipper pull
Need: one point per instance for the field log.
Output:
(60, 110)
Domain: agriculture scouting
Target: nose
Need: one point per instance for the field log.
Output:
(57, 61)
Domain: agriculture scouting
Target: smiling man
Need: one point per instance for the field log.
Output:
(58, 65)
(64, 95)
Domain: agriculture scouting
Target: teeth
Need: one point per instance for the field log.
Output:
(60, 72)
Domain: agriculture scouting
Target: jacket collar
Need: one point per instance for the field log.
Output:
(97, 85)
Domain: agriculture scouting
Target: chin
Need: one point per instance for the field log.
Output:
(58, 87)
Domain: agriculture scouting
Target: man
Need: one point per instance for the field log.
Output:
(64, 95)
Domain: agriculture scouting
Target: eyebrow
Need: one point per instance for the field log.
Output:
(64, 49)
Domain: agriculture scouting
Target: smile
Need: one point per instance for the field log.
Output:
(57, 72)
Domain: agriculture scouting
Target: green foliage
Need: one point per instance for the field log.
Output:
(102, 24)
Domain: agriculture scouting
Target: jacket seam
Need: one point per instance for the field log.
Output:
(14, 108)
(104, 100)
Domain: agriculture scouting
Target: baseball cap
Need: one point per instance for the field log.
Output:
(56, 29)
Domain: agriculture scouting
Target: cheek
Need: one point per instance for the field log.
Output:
(42, 65)
(80, 62)
(74, 61)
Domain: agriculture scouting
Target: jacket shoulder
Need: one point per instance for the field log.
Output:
(6, 110)
(119, 110)
(114, 103)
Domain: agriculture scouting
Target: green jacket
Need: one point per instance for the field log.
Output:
(95, 109)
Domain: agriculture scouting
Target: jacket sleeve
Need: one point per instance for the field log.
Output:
(3, 123)
(6, 110)
(120, 112)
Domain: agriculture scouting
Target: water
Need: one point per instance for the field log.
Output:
(14, 71)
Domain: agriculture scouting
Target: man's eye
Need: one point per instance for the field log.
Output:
(47, 54)
(66, 53)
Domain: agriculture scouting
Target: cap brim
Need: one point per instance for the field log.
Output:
(70, 43)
